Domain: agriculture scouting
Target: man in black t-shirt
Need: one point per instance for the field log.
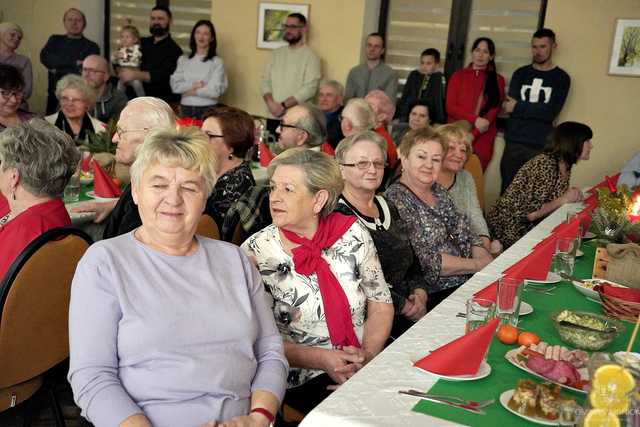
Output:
(160, 55)
(537, 93)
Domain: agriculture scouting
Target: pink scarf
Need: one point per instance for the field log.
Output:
(307, 259)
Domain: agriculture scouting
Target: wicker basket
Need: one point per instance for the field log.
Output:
(619, 308)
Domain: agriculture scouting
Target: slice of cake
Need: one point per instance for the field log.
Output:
(524, 398)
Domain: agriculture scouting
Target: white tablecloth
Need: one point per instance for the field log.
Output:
(370, 398)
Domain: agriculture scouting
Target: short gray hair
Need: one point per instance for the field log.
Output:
(186, 147)
(72, 81)
(44, 156)
(321, 173)
(157, 113)
(7, 26)
(385, 105)
(360, 113)
(347, 144)
(314, 123)
(336, 85)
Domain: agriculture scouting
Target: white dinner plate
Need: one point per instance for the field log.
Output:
(506, 397)
(552, 277)
(92, 194)
(525, 309)
(633, 361)
(588, 235)
(511, 357)
(586, 288)
(484, 371)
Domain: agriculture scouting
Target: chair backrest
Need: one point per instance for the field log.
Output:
(239, 235)
(34, 305)
(474, 167)
(207, 227)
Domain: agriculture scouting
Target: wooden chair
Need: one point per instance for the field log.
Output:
(34, 311)
(474, 167)
(208, 228)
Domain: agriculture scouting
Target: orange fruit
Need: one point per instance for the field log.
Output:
(528, 338)
(507, 334)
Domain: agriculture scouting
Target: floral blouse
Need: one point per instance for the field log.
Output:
(434, 230)
(298, 308)
(228, 189)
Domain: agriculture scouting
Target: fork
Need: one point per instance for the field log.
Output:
(453, 399)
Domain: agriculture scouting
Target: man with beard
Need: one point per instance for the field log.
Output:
(292, 74)
(63, 53)
(373, 74)
(159, 58)
(536, 95)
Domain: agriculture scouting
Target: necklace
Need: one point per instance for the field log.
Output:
(5, 219)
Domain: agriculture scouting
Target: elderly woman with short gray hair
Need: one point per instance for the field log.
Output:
(185, 336)
(76, 98)
(36, 162)
(362, 158)
(331, 301)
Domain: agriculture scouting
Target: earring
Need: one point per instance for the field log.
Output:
(13, 195)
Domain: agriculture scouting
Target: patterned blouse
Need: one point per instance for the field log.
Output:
(229, 187)
(298, 308)
(536, 183)
(434, 230)
(400, 265)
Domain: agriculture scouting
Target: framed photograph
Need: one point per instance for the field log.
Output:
(271, 19)
(625, 55)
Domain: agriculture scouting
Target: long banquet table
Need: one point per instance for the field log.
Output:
(370, 398)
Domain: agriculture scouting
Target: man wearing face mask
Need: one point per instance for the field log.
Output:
(159, 58)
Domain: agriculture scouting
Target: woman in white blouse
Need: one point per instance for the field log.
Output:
(200, 77)
(331, 301)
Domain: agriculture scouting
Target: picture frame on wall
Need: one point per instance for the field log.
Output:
(625, 54)
(271, 19)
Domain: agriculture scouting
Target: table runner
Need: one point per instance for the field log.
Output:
(504, 375)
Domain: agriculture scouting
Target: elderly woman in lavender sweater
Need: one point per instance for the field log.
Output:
(167, 328)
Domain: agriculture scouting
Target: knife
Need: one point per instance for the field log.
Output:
(445, 402)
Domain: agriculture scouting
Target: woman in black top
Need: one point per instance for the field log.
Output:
(362, 159)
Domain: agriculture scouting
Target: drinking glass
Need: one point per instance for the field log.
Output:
(508, 300)
(479, 312)
(565, 256)
(72, 190)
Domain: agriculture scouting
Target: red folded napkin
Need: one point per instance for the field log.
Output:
(609, 181)
(569, 229)
(462, 356)
(103, 185)
(627, 294)
(534, 266)
(265, 155)
(489, 293)
(585, 218)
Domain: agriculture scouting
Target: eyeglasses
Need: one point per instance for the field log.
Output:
(92, 70)
(7, 94)
(365, 164)
(120, 131)
(283, 125)
(67, 100)
(291, 27)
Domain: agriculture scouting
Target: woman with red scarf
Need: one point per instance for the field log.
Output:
(475, 94)
(331, 301)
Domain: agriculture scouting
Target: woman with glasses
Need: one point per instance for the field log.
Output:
(200, 77)
(231, 135)
(11, 96)
(10, 38)
(362, 158)
(441, 237)
(75, 98)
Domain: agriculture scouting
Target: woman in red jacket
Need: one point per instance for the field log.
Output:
(475, 94)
